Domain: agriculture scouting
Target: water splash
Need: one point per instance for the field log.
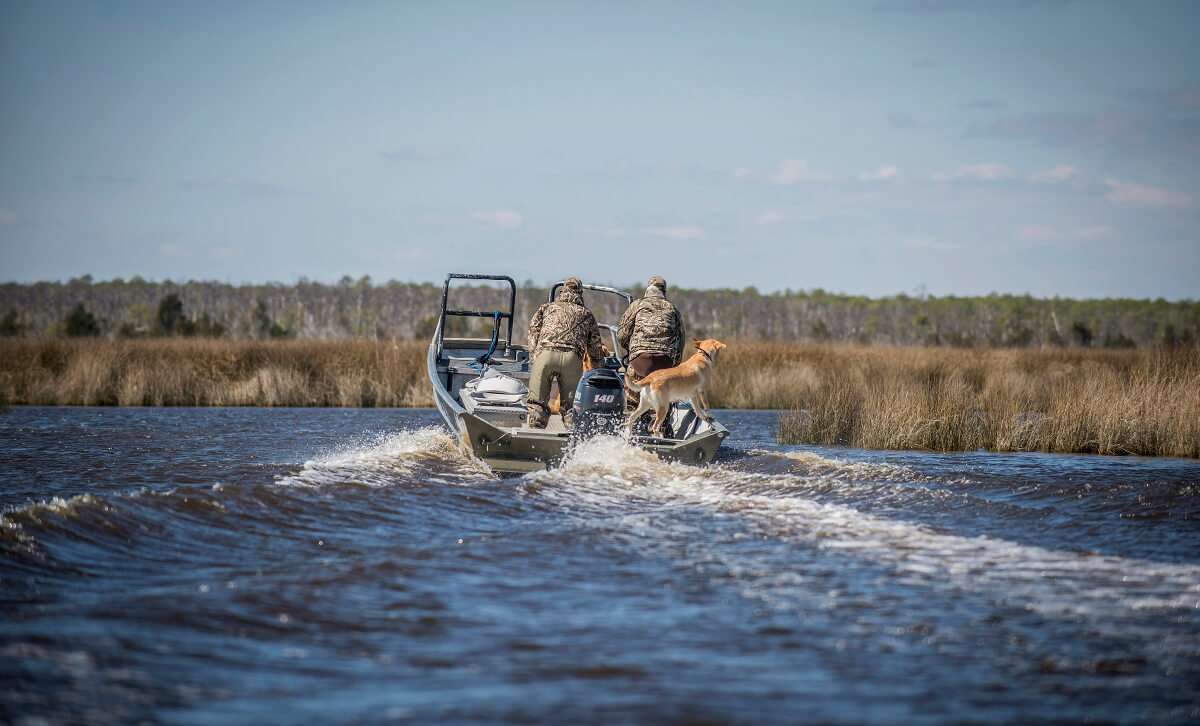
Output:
(608, 484)
(617, 578)
(810, 463)
(387, 459)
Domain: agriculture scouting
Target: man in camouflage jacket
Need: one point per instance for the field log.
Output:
(559, 334)
(651, 330)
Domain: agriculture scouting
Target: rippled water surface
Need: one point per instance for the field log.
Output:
(191, 565)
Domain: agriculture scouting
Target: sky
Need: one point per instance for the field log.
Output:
(1022, 146)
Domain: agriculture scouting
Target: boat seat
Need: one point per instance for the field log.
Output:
(493, 392)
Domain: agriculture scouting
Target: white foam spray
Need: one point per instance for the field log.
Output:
(390, 458)
(628, 491)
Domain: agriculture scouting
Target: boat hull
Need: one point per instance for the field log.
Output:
(519, 451)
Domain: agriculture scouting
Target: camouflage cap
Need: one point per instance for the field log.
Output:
(573, 283)
(657, 281)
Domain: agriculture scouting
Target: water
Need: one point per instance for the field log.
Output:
(192, 565)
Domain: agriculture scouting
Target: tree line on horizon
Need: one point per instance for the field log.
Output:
(358, 308)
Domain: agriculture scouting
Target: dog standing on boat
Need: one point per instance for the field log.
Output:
(684, 382)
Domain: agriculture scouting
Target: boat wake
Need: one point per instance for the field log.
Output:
(809, 465)
(609, 485)
(813, 583)
(382, 460)
(398, 556)
(107, 522)
(630, 494)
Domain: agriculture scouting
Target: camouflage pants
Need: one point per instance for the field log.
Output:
(638, 368)
(549, 365)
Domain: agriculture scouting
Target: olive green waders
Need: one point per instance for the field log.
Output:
(567, 367)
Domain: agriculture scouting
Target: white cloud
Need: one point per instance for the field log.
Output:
(8, 216)
(769, 217)
(977, 172)
(502, 218)
(678, 232)
(742, 173)
(1054, 175)
(883, 173)
(1049, 233)
(1140, 195)
(795, 171)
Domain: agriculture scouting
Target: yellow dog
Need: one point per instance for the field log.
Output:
(684, 382)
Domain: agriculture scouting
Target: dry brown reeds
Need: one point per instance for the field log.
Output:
(1070, 400)
(881, 397)
(205, 372)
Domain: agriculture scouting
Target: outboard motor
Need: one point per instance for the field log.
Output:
(599, 403)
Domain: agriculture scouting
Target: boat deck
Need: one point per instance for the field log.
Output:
(555, 426)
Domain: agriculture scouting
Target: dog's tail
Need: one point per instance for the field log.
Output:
(635, 385)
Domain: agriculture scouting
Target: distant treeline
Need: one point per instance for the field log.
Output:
(398, 310)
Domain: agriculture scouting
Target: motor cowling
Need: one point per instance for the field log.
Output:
(599, 403)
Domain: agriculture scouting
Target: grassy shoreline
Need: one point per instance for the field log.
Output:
(207, 372)
(1144, 402)
(885, 397)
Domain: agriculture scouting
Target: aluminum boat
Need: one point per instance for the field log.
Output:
(480, 386)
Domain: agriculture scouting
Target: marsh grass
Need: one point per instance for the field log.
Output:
(943, 399)
(881, 397)
(197, 372)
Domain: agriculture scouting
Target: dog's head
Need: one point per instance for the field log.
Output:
(712, 346)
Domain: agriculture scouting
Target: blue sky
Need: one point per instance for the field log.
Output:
(1046, 147)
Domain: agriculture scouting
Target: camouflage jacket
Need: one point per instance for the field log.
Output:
(652, 325)
(565, 324)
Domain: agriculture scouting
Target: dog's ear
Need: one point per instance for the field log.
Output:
(696, 342)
